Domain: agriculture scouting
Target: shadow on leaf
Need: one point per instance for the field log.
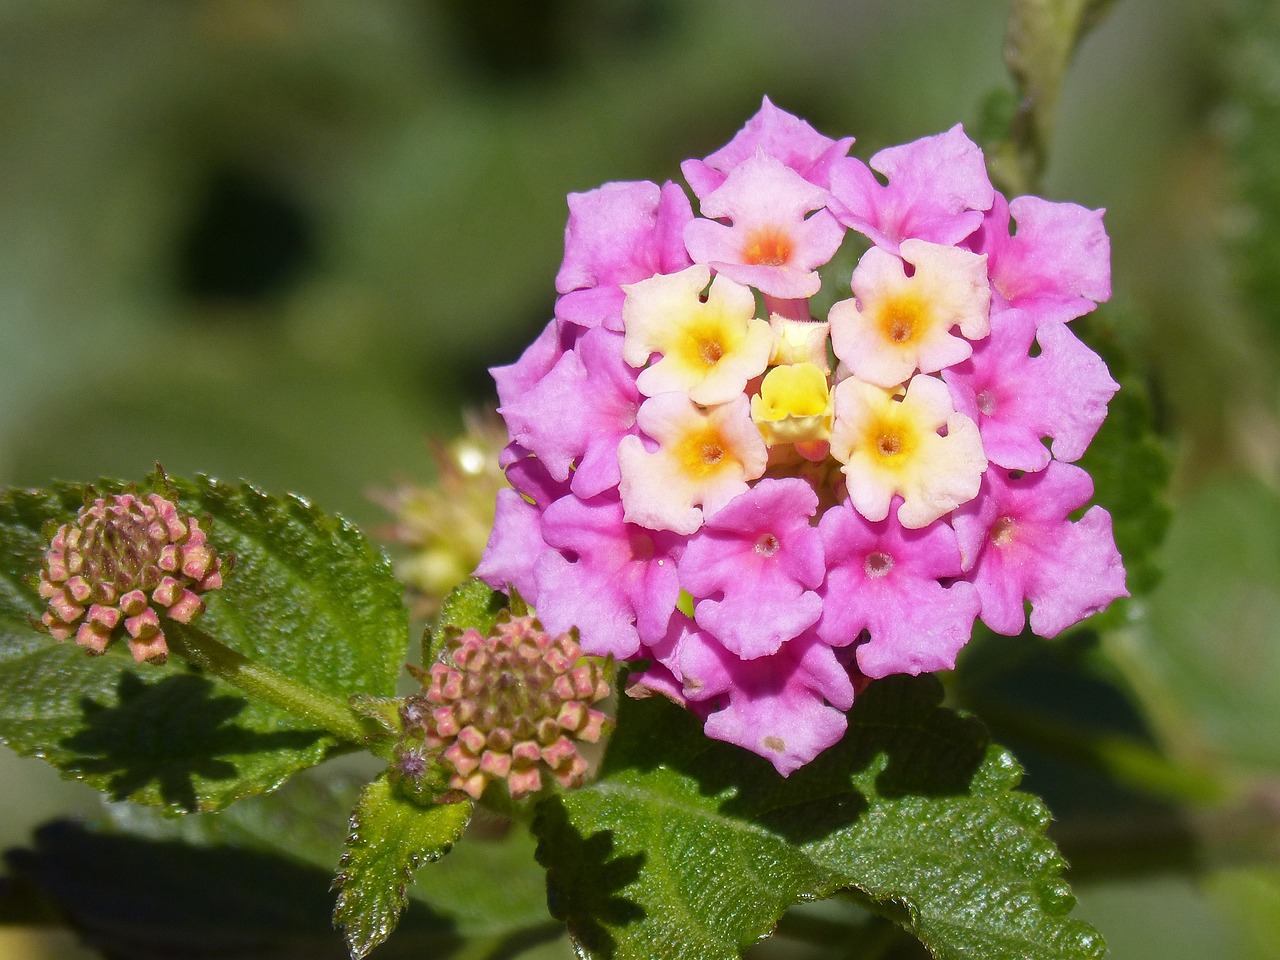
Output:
(585, 880)
(899, 744)
(927, 750)
(168, 733)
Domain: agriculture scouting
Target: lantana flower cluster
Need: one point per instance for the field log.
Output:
(772, 507)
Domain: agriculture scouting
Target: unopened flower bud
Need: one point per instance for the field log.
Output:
(509, 706)
(126, 562)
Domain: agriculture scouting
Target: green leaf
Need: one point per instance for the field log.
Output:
(391, 836)
(308, 597)
(309, 594)
(686, 847)
(474, 604)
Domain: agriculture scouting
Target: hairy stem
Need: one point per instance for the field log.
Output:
(1040, 40)
(260, 681)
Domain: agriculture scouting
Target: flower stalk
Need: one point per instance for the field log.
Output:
(261, 681)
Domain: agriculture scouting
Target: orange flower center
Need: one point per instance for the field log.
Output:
(710, 351)
(768, 248)
(889, 444)
(901, 319)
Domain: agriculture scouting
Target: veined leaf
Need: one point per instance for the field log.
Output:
(391, 836)
(308, 596)
(688, 848)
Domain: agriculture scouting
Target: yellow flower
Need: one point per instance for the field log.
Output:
(793, 406)
(705, 457)
(709, 348)
(891, 446)
(900, 324)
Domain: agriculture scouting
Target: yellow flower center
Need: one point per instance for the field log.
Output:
(902, 319)
(702, 453)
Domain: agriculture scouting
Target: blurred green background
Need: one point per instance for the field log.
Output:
(283, 240)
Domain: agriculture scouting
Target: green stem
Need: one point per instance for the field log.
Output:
(264, 683)
(1041, 38)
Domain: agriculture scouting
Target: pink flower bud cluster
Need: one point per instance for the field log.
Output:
(509, 706)
(126, 562)
(772, 506)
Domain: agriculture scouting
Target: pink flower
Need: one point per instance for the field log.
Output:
(777, 134)
(516, 542)
(772, 244)
(937, 191)
(787, 707)
(620, 587)
(1018, 545)
(514, 546)
(574, 417)
(515, 379)
(761, 558)
(618, 233)
(1017, 399)
(1056, 267)
(885, 579)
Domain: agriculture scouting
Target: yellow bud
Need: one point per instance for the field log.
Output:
(799, 341)
(794, 405)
